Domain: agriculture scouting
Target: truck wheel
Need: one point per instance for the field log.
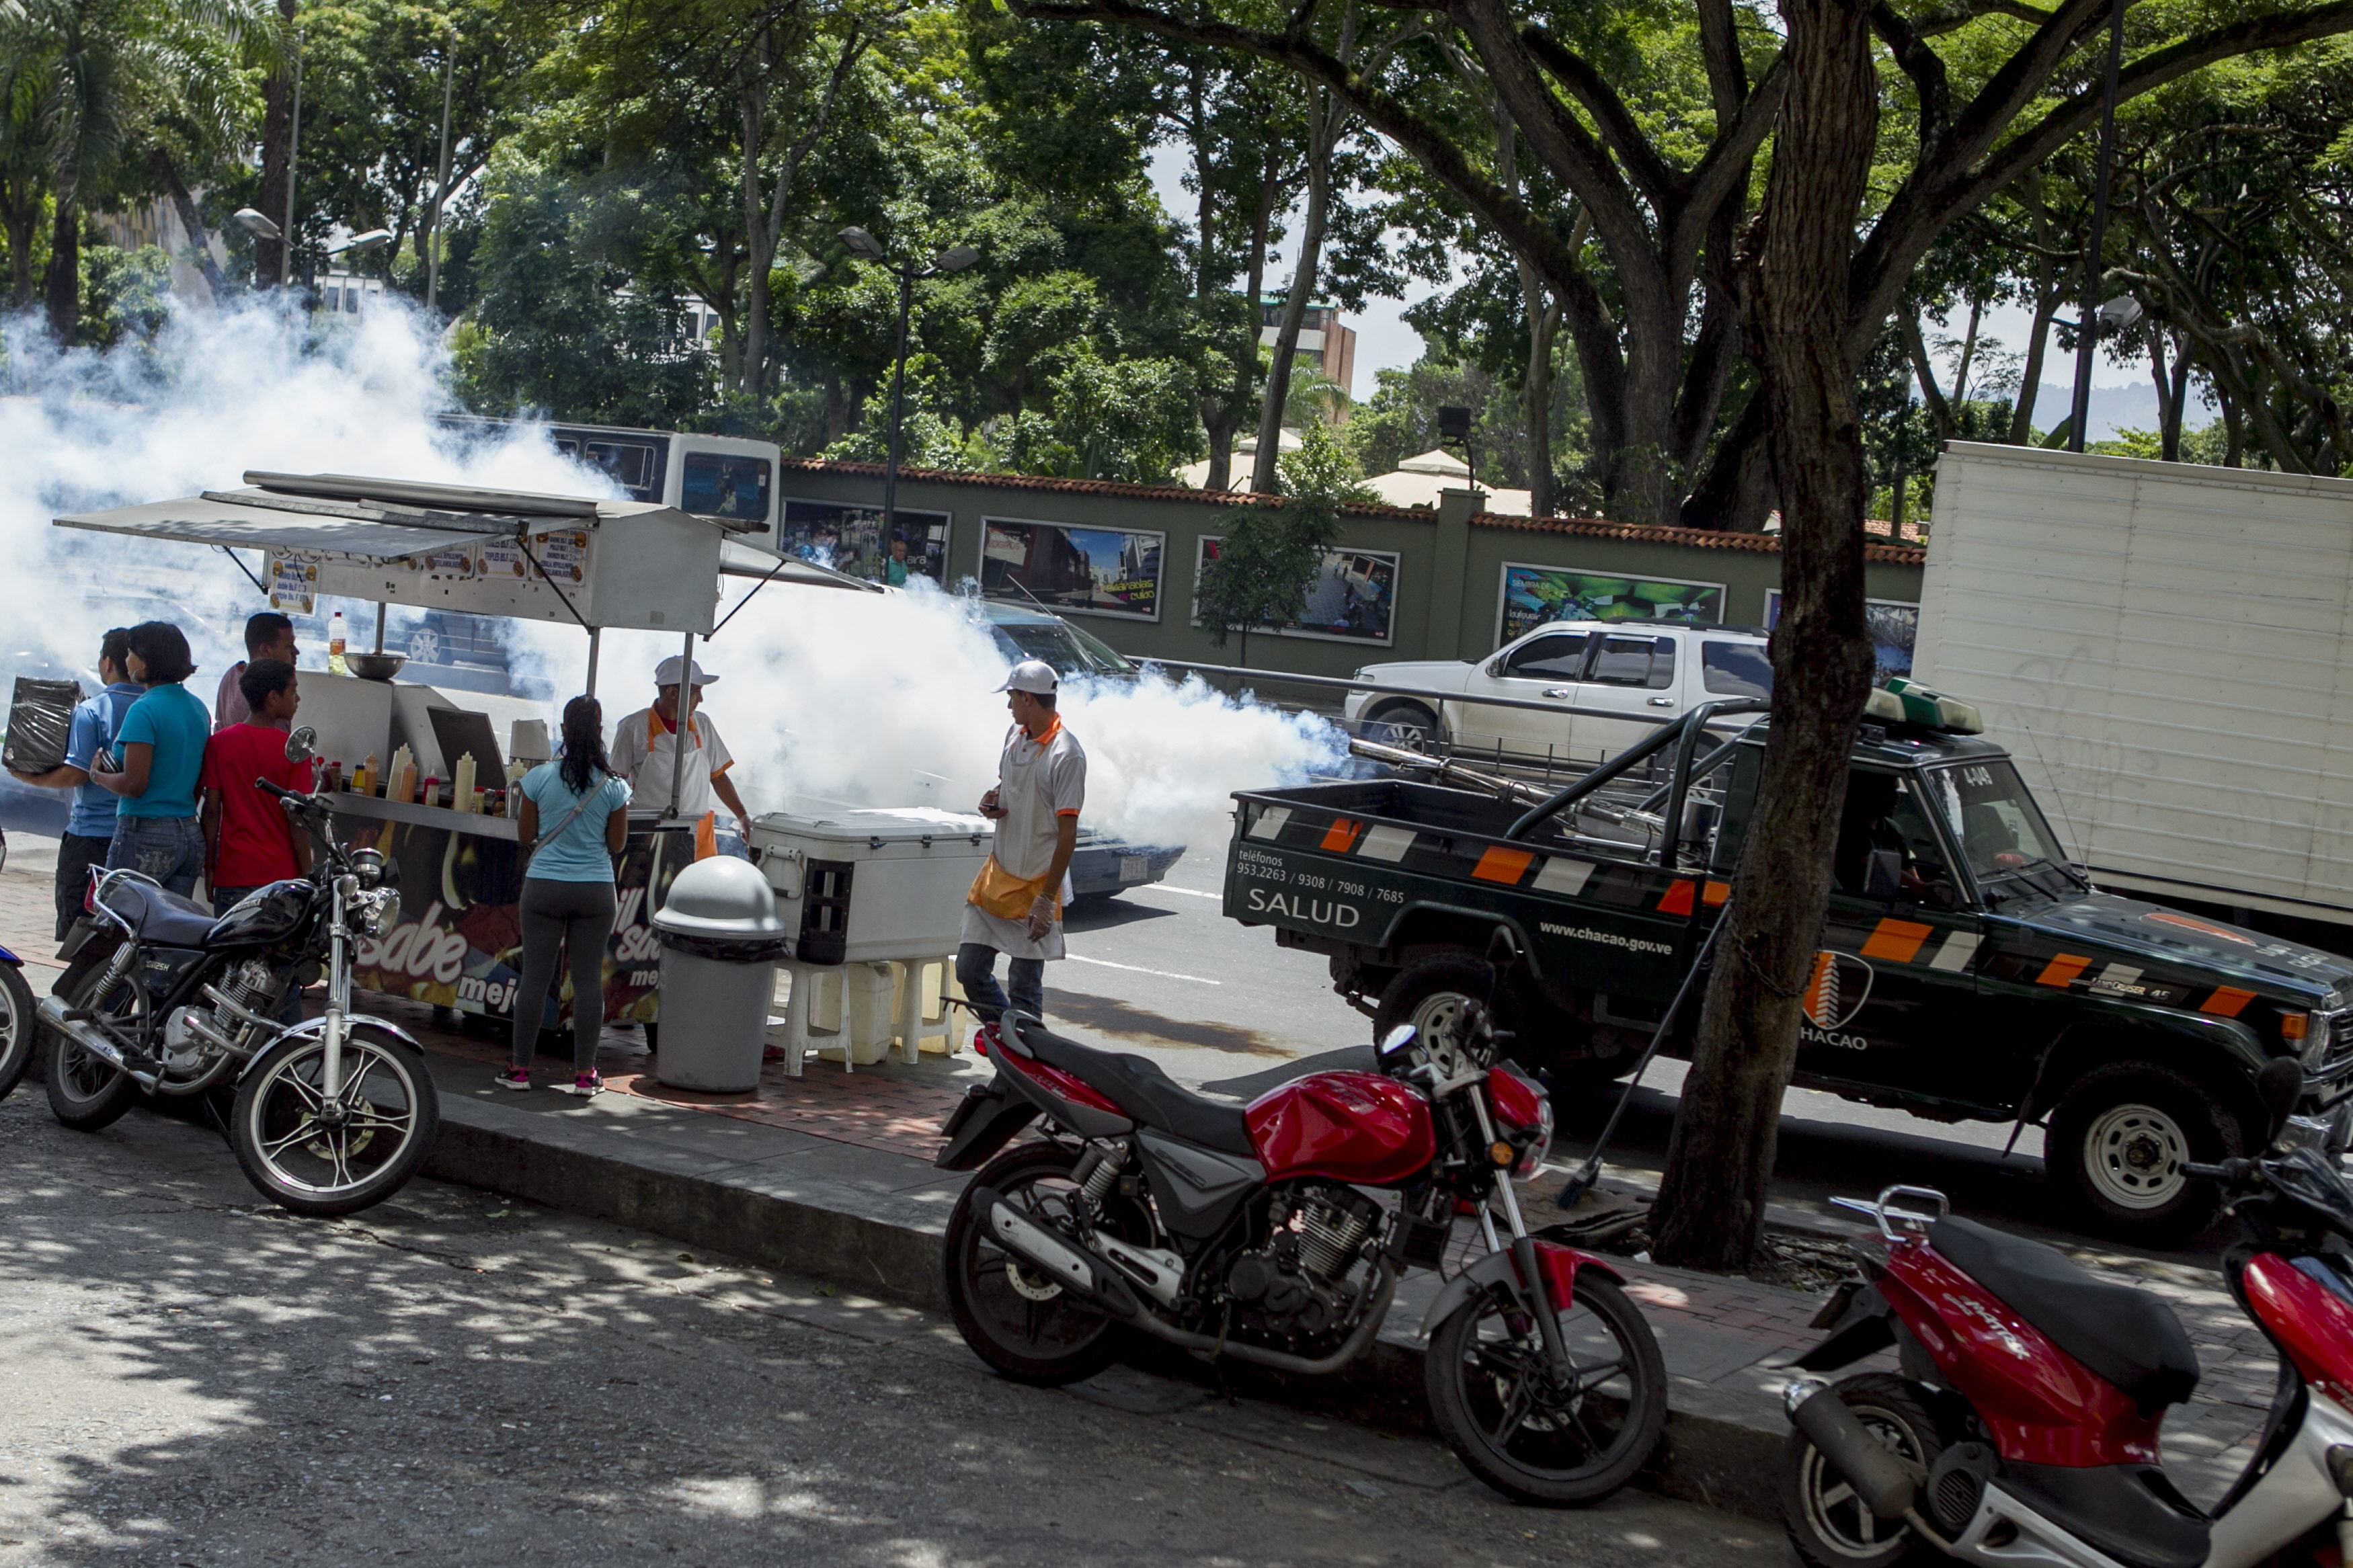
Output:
(1407, 724)
(2119, 1140)
(1432, 994)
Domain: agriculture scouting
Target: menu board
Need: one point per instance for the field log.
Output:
(293, 583)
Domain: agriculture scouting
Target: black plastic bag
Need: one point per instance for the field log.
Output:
(39, 722)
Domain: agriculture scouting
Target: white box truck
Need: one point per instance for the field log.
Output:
(2163, 648)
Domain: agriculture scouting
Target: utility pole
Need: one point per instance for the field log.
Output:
(2087, 331)
(441, 180)
(293, 150)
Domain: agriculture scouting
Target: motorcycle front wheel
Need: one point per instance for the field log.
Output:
(312, 1157)
(1014, 1317)
(1531, 1439)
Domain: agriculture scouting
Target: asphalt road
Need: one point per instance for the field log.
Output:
(193, 1378)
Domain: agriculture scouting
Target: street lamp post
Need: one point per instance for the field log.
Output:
(293, 150)
(441, 180)
(955, 259)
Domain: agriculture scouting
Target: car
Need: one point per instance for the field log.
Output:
(1102, 865)
(1650, 670)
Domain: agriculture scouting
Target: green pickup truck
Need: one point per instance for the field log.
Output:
(1966, 970)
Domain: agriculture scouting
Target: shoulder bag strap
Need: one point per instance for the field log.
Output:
(569, 818)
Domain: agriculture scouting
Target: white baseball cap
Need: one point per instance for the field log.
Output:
(1033, 676)
(666, 673)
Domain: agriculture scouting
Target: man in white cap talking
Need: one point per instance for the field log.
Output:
(645, 751)
(1015, 907)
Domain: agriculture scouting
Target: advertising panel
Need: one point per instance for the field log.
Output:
(1894, 625)
(1533, 596)
(1071, 568)
(1352, 599)
(850, 539)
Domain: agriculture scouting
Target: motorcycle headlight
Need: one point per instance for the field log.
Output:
(379, 913)
(1539, 1149)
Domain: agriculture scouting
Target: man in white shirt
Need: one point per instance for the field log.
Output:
(1016, 904)
(645, 750)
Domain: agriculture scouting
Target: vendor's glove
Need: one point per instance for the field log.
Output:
(1041, 917)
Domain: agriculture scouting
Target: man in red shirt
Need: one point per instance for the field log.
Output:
(248, 843)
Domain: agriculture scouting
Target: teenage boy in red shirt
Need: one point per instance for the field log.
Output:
(248, 842)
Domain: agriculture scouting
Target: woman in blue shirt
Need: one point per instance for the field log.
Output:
(153, 766)
(575, 817)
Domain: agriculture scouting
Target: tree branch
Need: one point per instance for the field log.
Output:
(1659, 184)
(1923, 65)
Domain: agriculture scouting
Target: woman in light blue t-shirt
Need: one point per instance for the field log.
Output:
(575, 819)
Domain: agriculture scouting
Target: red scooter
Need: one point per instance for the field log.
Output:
(1249, 1233)
(2024, 1428)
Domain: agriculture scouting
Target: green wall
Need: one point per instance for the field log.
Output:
(1450, 566)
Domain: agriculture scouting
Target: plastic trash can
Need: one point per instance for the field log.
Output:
(720, 938)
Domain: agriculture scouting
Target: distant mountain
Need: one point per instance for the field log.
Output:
(2128, 405)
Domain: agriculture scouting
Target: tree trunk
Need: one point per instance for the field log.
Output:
(276, 122)
(1219, 415)
(1711, 1206)
(2030, 381)
(1265, 473)
(20, 219)
(1535, 389)
(61, 291)
(199, 237)
(751, 94)
(2177, 399)
(1939, 409)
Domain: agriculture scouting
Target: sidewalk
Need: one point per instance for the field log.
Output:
(830, 1174)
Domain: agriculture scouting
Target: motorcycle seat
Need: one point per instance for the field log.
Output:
(162, 918)
(2126, 1336)
(1139, 1087)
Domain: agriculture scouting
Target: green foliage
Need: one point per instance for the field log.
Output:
(123, 294)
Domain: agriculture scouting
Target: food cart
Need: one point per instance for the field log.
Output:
(571, 560)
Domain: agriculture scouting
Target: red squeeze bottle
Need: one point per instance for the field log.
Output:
(431, 794)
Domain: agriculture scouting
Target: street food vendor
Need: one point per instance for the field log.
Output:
(645, 746)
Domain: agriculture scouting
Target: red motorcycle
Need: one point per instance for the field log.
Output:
(1247, 1233)
(2023, 1429)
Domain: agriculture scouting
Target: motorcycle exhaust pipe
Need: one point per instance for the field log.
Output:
(1067, 1265)
(1878, 1476)
(54, 1014)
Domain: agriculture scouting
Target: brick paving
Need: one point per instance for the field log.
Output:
(1731, 1333)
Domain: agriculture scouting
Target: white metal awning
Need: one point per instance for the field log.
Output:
(737, 559)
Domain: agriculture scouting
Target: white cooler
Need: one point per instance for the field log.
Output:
(858, 886)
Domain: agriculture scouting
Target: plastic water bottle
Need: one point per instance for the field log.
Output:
(335, 665)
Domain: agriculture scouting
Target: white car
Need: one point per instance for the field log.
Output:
(1654, 670)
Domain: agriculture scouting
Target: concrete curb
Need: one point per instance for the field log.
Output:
(1717, 1450)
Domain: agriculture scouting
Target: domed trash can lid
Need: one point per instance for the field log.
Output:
(721, 898)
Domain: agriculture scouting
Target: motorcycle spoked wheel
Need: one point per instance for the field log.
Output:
(1561, 1447)
(88, 1092)
(1023, 1324)
(311, 1159)
(19, 1030)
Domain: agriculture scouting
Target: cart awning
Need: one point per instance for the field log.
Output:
(737, 559)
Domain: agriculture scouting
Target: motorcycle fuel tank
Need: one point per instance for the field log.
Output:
(267, 914)
(1353, 1127)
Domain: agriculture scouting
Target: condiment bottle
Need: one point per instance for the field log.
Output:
(370, 774)
(335, 665)
(462, 783)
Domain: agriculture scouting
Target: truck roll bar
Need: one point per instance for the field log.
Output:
(1686, 730)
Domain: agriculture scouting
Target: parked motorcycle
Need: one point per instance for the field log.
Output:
(18, 1030)
(331, 1115)
(1246, 1233)
(2024, 1427)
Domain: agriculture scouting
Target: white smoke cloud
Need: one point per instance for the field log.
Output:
(826, 697)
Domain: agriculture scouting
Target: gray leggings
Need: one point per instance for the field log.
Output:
(577, 915)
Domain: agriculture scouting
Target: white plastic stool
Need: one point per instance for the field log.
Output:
(878, 1007)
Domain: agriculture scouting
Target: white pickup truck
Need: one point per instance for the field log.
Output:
(1649, 670)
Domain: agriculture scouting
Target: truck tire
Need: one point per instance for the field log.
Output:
(2117, 1141)
(1409, 724)
(1431, 992)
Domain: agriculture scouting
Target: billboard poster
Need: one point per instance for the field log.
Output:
(1534, 596)
(459, 944)
(1072, 568)
(850, 539)
(1352, 599)
(1893, 626)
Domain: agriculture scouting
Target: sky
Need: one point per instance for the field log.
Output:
(2122, 393)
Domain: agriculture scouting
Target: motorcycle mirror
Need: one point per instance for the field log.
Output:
(302, 744)
(2278, 1086)
(1398, 1040)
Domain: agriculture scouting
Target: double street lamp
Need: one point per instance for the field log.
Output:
(955, 259)
(259, 225)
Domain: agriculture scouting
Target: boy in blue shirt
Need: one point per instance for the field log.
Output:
(90, 827)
